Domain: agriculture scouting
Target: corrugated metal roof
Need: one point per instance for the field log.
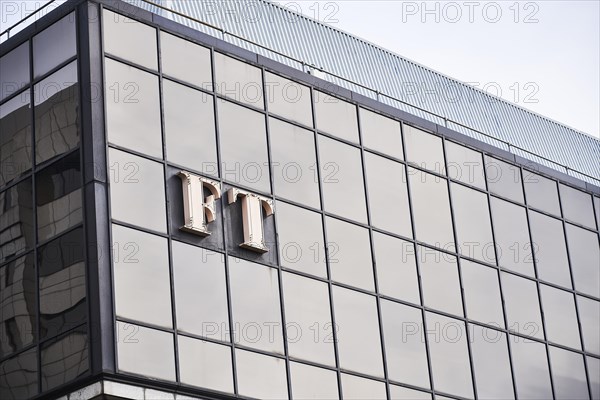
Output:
(376, 72)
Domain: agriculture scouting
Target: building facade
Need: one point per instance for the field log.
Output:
(183, 218)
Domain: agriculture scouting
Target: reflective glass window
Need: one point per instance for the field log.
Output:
(190, 128)
(439, 277)
(294, 163)
(58, 197)
(473, 224)
(18, 376)
(255, 305)
(243, 138)
(357, 327)
(349, 252)
(196, 69)
(200, 291)
(308, 319)
(145, 351)
(431, 209)
(560, 317)
(396, 268)
(388, 198)
(129, 39)
(403, 335)
(64, 359)
(482, 293)
(492, 366)
(357, 388)
(132, 108)
(56, 114)
(465, 165)
(260, 376)
(568, 374)
(16, 220)
(584, 252)
(15, 138)
(449, 355)
(504, 179)
(313, 383)
(589, 313)
(550, 250)
(139, 182)
(403, 393)
(15, 70)
(593, 365)
(288, 99)
(54, 45)
(530, 365)
(341, 174)
(522, 305)
(381, 133)
(205, 364)
(577, 206)
(542, 193)
(597, 209)
(424, 150)
(62, 284)
(238, 80)
(336, 117)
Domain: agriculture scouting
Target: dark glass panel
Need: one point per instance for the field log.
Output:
(54, 45)
(16, 220)
(15, 138)
(19, 376)
(64, 359)
(15, 70)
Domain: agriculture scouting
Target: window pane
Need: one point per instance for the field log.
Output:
(56, 114)
(577, 206)
(381, 133)
(308, 319)
(64, 359)
(388, 198)
(140, 182)
(205, 364)
(357, 327)
(449, 355)
(195, 70)
(200, 291)
(18, 320)
(589, 313)
(402, 393)
(356, 388)
(129, 39)
(190, 128)
(138, 254)
(313, 383)
(512, 237)
(244, 157)
(473, 225)
(294, 163)
(341, 174)
(594, 376)
(550, 249)
(144, 351)
(491, 363)
(568, 373)
(530, 364)
(404, 344)
(238, 80)
(431, 209)
(597, 208)
(62, 284)
(16, 220)
(58, 192)
(15, 70)
(585, 258)
(54, 45)
(482, 293)
(288, 99)
(260, 376)
(504, 179)
(560, 317)
(465, 165)
(255, 305)
(396, 268)
(424, 150)
(336, 117)
(15, 138)
(18, 376)
(349, 252)
(439, 277)
(522, 306)
(542, 193)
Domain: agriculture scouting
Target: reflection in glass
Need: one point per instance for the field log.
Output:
(313, 383)
(15, 70)
(585, 258)
(205, 364)
(550, 249)
(336, 117)
(18, 376)
(288, 99)
(189, 117)
(439, 277)
(137, 254)
(424, 150)
(62, 284)
(530, 365)
(58, 197)
(482, 293)
(15, 137)
(492, 366)
(238, 80)
(577, 206)
(402, 393)
(56, 114)
(16, 220)
(504, 179)
(64, 359)
(356, 388)
(357, 327)
(522, 305)
(589, 312)
(560, 317)
(403, 335)
(349, 253)
(593, 365)
(465, 165)
(568, 375)
(195, 70)
(54, 45)
(542, 193)
(381, 133)
(260, 376)
(388, 198)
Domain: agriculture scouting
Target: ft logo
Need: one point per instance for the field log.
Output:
(199, 211)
